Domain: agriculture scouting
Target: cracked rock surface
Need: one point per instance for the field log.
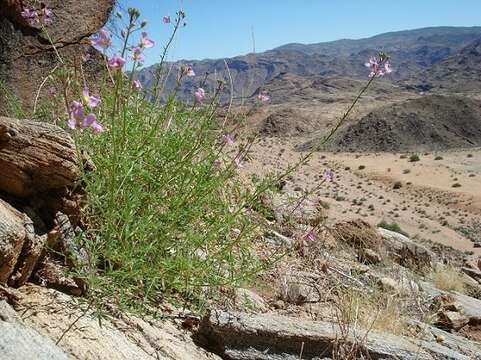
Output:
(26, 55)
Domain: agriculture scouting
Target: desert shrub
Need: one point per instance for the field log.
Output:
(397, 185)
(414, 158)
(357, 233)
(438, 158)
(406, 171)
(456, 185)
(392, 227)
(447, 278)
(361, 167)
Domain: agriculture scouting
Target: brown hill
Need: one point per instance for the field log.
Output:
(431, 122)
(459, 73)
(412, 51)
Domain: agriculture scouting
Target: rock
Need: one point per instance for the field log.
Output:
(451, 320)
(299, 288)
(36, 157)
(12, 238)
(473, 273)
(250, 299)
(469, 306)
(401, 286)
(240, 336)
(388, 284)
(405, 251)
(27, 56)
(120, 337)
(28, 260)
(369, 256)
(477, 244)
(454, 342)
(479, 264)
(18, 342)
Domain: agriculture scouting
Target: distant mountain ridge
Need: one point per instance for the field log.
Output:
(412, 52)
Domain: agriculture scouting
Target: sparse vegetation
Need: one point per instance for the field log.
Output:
(414, 158)
(447, 278)
(392, 227)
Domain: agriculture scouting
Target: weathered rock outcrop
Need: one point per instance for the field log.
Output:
(35, 157)
(12, 238)
(239, 336)
(40, 167)
(20, 342)
(50, 315)
(26, 55)
(407, 253)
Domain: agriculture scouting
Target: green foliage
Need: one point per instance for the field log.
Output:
(163, 219)
(414, 158)
(12, 105)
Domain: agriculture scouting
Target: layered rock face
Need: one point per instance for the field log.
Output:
(27, 56)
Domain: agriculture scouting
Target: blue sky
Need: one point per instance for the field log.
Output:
(217, 29)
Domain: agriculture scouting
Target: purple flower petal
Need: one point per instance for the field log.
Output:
(145, 42)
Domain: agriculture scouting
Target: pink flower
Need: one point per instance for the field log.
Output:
(387, 67)
(263, 96)
(116, 62)
(166, 19)
(136, 85)
(145, 42)
(78, 120)
(328, 175)
(31, 16)
(137, 54)
(90, 100)
(228, 139)
(311, 235)
(76, 110)
(91, 121)
(238, 162)
(379, 66)
(96, 127)
(46, 14)
(102, 39)
(200, 95)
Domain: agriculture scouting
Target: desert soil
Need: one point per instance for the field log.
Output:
(428, 205)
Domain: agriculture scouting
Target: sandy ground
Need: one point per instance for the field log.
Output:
(426, 206)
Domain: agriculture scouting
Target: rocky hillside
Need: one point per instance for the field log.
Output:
(431, 122)
(413, 51)
(458, 73)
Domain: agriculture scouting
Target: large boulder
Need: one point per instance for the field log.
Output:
(77, 331)
(26, 54)
(35, 157)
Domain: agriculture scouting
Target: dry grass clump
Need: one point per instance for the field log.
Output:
(447, 278)
(368, 311)
(357, 233)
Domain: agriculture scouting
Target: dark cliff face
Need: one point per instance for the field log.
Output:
(412, 52)
(26, 56)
